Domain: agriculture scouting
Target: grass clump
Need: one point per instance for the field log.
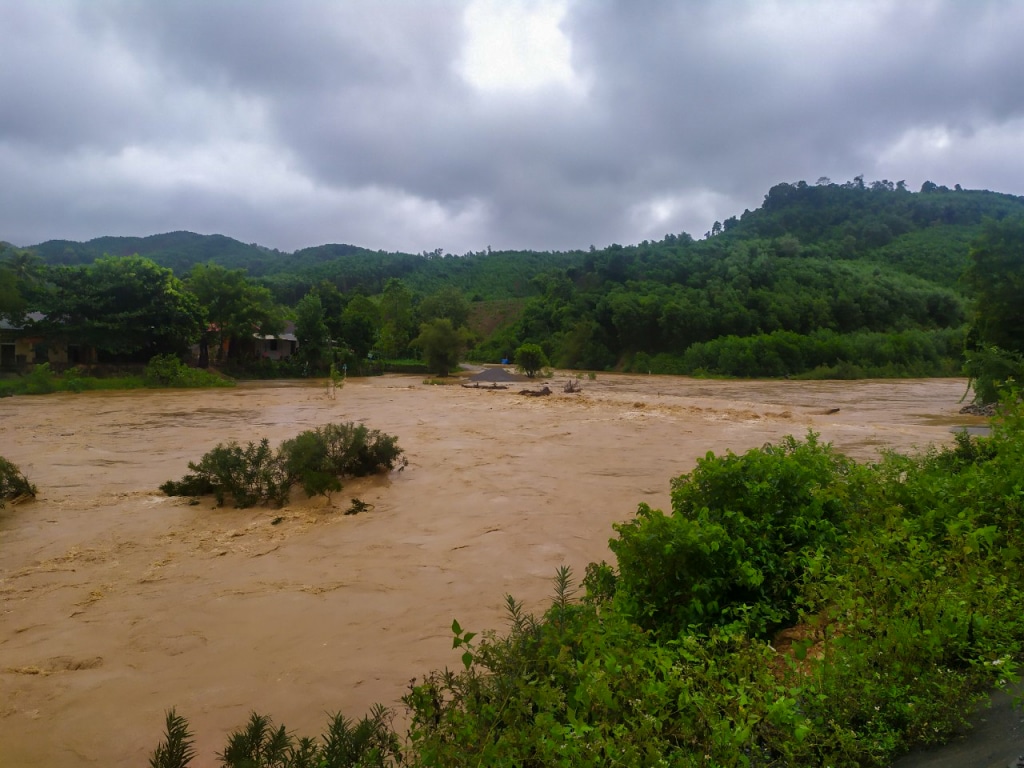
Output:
(13, 483)
(317, 460)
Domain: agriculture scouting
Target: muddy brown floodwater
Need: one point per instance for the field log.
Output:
(117, 603)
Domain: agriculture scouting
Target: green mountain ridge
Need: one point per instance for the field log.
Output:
(844, 279)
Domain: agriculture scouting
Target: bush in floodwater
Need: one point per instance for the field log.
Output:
(316, 459)
(251, 475)
(13, 484)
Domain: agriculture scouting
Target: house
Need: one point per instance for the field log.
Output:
(279, 347)
(22, 344)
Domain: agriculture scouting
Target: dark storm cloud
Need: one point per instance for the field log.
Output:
(300, 123)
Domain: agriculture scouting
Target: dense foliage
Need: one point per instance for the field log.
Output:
(127, 308)
(13, 483)
(161, 371)
(530, 359)
(826, 280)
(315, 459)
(442, 345)
(996, 279)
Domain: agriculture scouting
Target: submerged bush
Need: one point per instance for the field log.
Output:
(315, 459)
(251, 475)
(13, 484)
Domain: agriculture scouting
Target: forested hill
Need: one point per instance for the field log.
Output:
(923, 233)
(842, 279)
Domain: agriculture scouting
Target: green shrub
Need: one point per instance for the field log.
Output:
(316, 459)
(742, 533)
(13, 484)
(169, 371)
(40, 380)
(251, 475)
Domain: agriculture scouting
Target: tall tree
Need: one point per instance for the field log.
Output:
(396, 318)
(126, 307)
(995, 277)
(235, 308)
(359, 324)
(311, 332)
(442, 345)
(448, 302)
(21, 283)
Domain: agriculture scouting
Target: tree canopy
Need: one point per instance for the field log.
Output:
(126, 307)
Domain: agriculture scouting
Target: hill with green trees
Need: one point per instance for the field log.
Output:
(823, 280)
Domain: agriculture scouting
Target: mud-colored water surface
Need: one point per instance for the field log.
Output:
(117, 602)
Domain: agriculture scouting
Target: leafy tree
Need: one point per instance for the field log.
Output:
(126, 307)
(311, 331)
(530, 359)
(995, 276)
(21, 281)
(12, 303)
(742, 531)
(442, 345)
(178, 747)
(446, 302)
(235, 309)
(396, 318)
(333, 303)
(359, 324)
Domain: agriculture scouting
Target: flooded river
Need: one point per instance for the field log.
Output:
(117, 603)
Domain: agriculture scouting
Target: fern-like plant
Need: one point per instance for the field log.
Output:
(176, 750)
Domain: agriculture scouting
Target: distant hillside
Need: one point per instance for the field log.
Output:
(178, 250)
(840, 279)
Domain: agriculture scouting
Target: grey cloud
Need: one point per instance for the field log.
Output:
(299, 123)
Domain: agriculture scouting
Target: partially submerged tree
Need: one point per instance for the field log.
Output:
(442, 345)
(530, 359)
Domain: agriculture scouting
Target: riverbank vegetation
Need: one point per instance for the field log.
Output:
(162, 371)
(828, 279)
(792, 608)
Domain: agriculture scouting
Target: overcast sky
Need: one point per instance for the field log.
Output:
(414, 125)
